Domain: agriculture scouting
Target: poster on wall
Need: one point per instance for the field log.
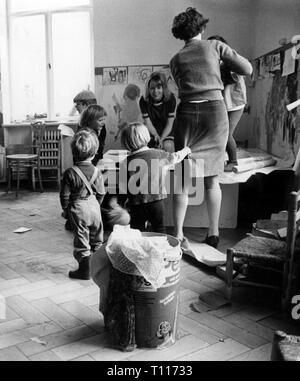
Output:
(289, 63)
(114, 76)
(139, 75)
(275, 62)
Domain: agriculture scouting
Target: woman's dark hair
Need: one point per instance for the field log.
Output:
(161, 78)
(219, 38)
(188, 24)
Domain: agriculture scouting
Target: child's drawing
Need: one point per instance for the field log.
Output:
(114, 76)
(128, 111)
(139, 74)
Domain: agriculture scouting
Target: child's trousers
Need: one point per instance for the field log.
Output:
(88, 228)
(152, 212)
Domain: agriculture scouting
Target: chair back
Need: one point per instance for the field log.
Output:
(292, 230)
(50, 157)
(37, 133)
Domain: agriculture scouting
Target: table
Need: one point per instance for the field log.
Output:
(19, 133)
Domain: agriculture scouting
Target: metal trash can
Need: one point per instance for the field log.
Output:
(156, 310)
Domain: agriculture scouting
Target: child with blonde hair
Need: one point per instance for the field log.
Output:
(141, 176)
(81, 195)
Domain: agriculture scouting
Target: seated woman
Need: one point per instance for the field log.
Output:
(158, 111)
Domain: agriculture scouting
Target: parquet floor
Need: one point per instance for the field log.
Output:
(53, 318)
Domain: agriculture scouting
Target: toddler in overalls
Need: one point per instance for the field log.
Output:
(81, 194)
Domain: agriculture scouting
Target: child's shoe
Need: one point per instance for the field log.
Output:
(83, 271)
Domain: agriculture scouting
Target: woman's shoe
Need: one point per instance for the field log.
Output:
(185, 245)
(212, 240)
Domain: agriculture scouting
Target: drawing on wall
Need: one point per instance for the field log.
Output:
(114, 76)
(255, 73)
(276, 62)
(139, 74)
(276, 127)
(289, 63)
(127, 110)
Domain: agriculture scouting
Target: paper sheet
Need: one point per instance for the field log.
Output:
(206, 254)
(65, 130)
(289, 63)
(22, 230)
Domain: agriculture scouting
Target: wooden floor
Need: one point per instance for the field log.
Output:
(51, 317)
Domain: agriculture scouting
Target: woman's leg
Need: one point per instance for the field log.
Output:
(213, 201)
(182, 182)
(233, 118)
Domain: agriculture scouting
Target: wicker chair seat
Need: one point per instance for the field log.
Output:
(260, 248)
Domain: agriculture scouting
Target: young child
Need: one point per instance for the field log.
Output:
(81, 195)
(93, 117)
(83, 99)
(235, 98)
(141, 176)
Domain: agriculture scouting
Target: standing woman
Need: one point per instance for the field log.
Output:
(158, 111)
(201, 117)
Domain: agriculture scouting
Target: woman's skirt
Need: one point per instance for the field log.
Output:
(204, 128)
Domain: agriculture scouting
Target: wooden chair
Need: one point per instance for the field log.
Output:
(50, 155)
(21, 156)
(266, 254)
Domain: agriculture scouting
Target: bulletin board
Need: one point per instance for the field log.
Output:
(111, 84)
(276, 83)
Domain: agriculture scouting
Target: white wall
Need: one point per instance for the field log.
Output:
(131, 32)
(274, 20)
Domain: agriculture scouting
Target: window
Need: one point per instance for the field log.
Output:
(50, 56)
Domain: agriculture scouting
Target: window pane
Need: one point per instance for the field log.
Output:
(33, 5)
(72, 66)
(28, 67)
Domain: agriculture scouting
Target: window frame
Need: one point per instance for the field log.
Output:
(6, 64)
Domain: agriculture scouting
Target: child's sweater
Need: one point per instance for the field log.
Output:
(142, 174)
(73, 188)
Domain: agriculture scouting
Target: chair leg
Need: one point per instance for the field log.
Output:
(40, 178)
(9, 174)
(18, 179)
(58, 178)
(287, 286)
(33, 178)
(228, 275)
